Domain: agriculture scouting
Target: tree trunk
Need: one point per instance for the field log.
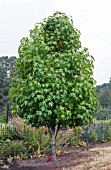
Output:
(54, 133)
(53, 147)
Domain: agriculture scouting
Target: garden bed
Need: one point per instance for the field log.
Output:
(79, 158)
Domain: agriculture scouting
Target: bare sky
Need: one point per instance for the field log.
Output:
(91, 17)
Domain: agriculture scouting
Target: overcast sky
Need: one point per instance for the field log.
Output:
(91, 17)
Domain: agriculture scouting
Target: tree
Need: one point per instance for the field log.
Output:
(104, 97)
(109, 83)
(6, 72)
(54, 84)
(1, 92)
(103, 114)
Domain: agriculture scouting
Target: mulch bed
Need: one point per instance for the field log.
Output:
(69, 157)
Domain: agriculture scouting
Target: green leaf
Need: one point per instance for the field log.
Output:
(55, 82)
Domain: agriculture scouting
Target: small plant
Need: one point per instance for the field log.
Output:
(19, 124)
(36, 140)
(13, 149)
(70, 137)
(10, 136)
(75, 137)
(3, 118)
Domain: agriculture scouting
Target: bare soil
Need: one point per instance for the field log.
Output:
(91, 157)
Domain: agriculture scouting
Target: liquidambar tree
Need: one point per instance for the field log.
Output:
(54, 83)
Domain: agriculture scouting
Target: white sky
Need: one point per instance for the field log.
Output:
(91, 17)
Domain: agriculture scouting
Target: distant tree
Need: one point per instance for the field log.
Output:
(55, 85)
(110, 83)
(104, 97)
(1, 92)
(102, 87)
(103, 114)
(6, 73)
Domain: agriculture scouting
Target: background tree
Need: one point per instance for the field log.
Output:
(55, 85)
(109, 83)
(1, 92)
(104, 97)
(103, 114)
(6, 73)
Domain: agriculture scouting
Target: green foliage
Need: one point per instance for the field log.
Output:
(104, 86)
(75, 137)
(104, 97)
(3, 118)
(100, 132)
(6, 73)
(59, 33)
(70, 138)
(14, 148)
(1, 91)
(104, 114)
(54, 83)
(8, 133)
(36, 140)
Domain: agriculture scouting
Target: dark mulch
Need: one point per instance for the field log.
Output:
(69, 157)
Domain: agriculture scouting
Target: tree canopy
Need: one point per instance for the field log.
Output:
(54, 84)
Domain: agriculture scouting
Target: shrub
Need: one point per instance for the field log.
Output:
(101, 132)
(14, 148)
(70, 137)
(3, 118)
(35, 140)
(19, 124)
